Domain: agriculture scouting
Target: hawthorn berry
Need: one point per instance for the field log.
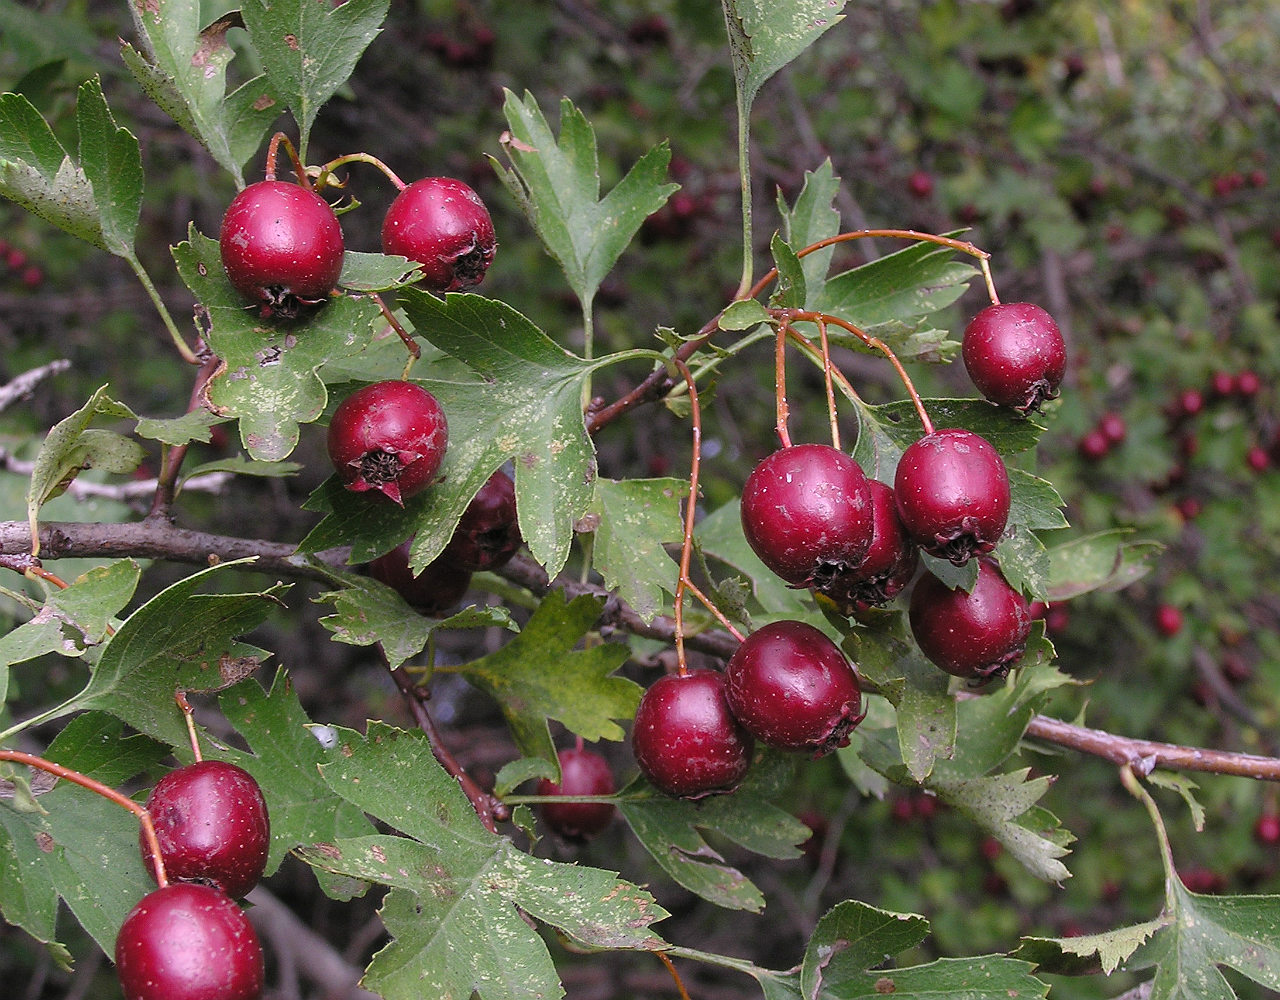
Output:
(806, 512)
(793, 689)
(582, 772)
(441, 223)
(1168, 620)
(390, 437)
(1266, 830)
(211, 821)
(1113, 428)
(488, 534)
(439, 587)
(686, 739)
(1093, 445)
(920, 183)
(1015, 355)
(889, 564)
(281, 246)
(952, 490)
(979, 634)
(188, 941)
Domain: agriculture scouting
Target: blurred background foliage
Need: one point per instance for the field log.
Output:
(1121, 162)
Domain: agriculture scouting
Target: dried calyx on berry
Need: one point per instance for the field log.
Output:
(886, 569)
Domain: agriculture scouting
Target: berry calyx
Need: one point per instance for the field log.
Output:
(211, 822)
(582, 772)
(281, 246)
(439, 587)
(1015, 355)
(979, 634)
(488, 535)
(442, 224)
(686, 740)
(793, 689)
(889, 564)
(952, 489)
(389, 437)
(806, 512)
(187, 941)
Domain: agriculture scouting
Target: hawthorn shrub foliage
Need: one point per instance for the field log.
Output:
(465, 889)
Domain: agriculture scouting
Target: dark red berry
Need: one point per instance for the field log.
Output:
(686, 740)
(390, 437)
(920, 183)
(1266, 831)
(281, 246)
(1257, 458)
(1222, 384)
(439, 587)
(442, 224)
(488, 534)
(1015, 355)
(806, 512)
(793, 689)
(952, 489)
(582, 772)
(1188, 404)
(1093, 446)
(188, 942)
(1112, 427)
(979, 634)
(1168, 620)
(889, 564)
(1248, 383)
(211, 821)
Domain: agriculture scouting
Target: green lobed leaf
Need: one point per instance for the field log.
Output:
(638, 518)
(456, 887)
(309, 49)
(1101, 561)
(375, 272)
(539, 675)
(852, 937)
(743, 315)
(811, 220)
(270, 379)
(1088, 953)
(112, 163)
(182, 66)
(556, 180)
(790, 290)
(191, 426)
(764, 36)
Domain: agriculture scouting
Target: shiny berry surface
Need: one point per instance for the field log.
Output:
(686, 740)
(582, 772)
(890, 562)
(952, 489)
(806, 512)
(188, 942)
(389, 437)
(444, 225)
(793, 689)
(211, 821)
(438, 588)
(487, 536)
(979, 634)
(281, 246)
(1015, 355)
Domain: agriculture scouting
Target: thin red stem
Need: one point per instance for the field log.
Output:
(188, 714)
(780, 385)
(690, 512)
(325, 169)
(827, 381)
(273, 149)
(671, 968)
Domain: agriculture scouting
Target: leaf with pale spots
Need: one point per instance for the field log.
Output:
(457, 890)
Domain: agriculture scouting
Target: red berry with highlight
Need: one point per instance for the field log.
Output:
(390, 437)
(488, 534)
(806, 512)
(438, 588)
(1015, 355)
(188, 942)
(952, 489)
(1169, 620)
(442, 224)
(793, 689)
(582, 772)
(211, 821)
(685, 738)
(281, 246)
(979, 634)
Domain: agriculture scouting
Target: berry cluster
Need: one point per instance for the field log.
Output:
(17, 262)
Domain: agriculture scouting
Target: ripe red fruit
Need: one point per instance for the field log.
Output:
(1113, 428)
(388, 436)
(281, 246)
(439, 587)
(1257, 458)
(793, 689)
(952, 489)
(1093, 446)
(488, 534)
(442, 224)
(920, 183)
(979, 634)
(1015, 355)
(211, 821)
(1266, 831)
(806, 512)
(1248, 383)
(1168, 620)
(889, 564)
(188, 942)
(582, 772)
(685, 738)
